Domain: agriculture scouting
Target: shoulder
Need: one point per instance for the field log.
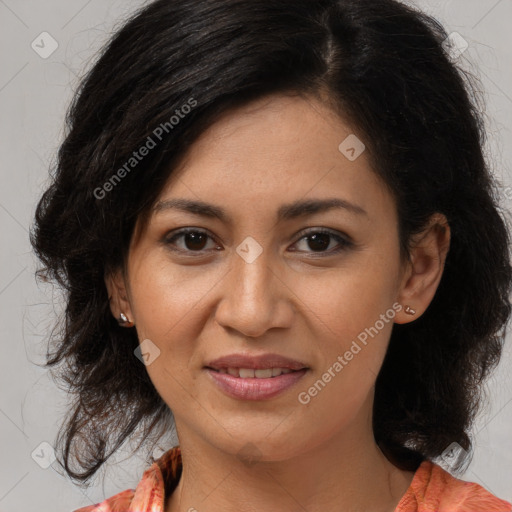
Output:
(117, 503)
(159, 480)
(435, 490)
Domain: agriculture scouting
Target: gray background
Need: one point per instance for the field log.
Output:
(34, 93)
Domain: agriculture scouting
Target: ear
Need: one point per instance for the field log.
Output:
(117, 290)
(425, 268)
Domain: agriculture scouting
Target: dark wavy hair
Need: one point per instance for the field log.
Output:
(381, 66)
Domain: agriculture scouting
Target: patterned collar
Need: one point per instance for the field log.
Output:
(157, 483)
(431, 489)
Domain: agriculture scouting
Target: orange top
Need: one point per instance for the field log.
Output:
(432, 489)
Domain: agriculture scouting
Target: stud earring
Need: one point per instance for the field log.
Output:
(124, 322)
(409, 311)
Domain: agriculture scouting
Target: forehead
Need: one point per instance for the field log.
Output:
(275, 150)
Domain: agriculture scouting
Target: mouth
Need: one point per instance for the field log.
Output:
(254, 384)
(252, 373)
(255, 377)
(260, 365)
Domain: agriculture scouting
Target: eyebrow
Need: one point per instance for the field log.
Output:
(285, 212)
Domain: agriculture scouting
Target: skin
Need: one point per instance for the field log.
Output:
(306, 304)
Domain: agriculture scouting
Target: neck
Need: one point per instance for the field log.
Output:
(346, 472)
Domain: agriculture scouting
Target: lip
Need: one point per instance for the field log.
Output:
(254, 388)
(256, 362)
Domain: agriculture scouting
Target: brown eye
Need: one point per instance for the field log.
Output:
(193, 240)
(319, 241)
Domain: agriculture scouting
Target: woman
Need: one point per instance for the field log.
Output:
(274, 219)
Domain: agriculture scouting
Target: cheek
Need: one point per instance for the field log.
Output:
(352, 309)
(168, 307)
(164, 294)
(350, 298)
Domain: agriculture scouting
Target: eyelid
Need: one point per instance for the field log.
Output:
(344, 241)
(321, 230)
(177, 233)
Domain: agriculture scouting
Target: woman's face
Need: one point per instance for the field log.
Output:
(256, 280)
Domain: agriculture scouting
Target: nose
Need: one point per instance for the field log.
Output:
(255, 297)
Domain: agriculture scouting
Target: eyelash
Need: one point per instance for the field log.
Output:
(343, 242)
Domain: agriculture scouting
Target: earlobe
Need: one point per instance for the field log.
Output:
(123, 321)
(409, 311)
(118, 298)
(428, 255)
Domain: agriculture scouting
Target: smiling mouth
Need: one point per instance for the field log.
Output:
(255, 383)
(251, 373)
